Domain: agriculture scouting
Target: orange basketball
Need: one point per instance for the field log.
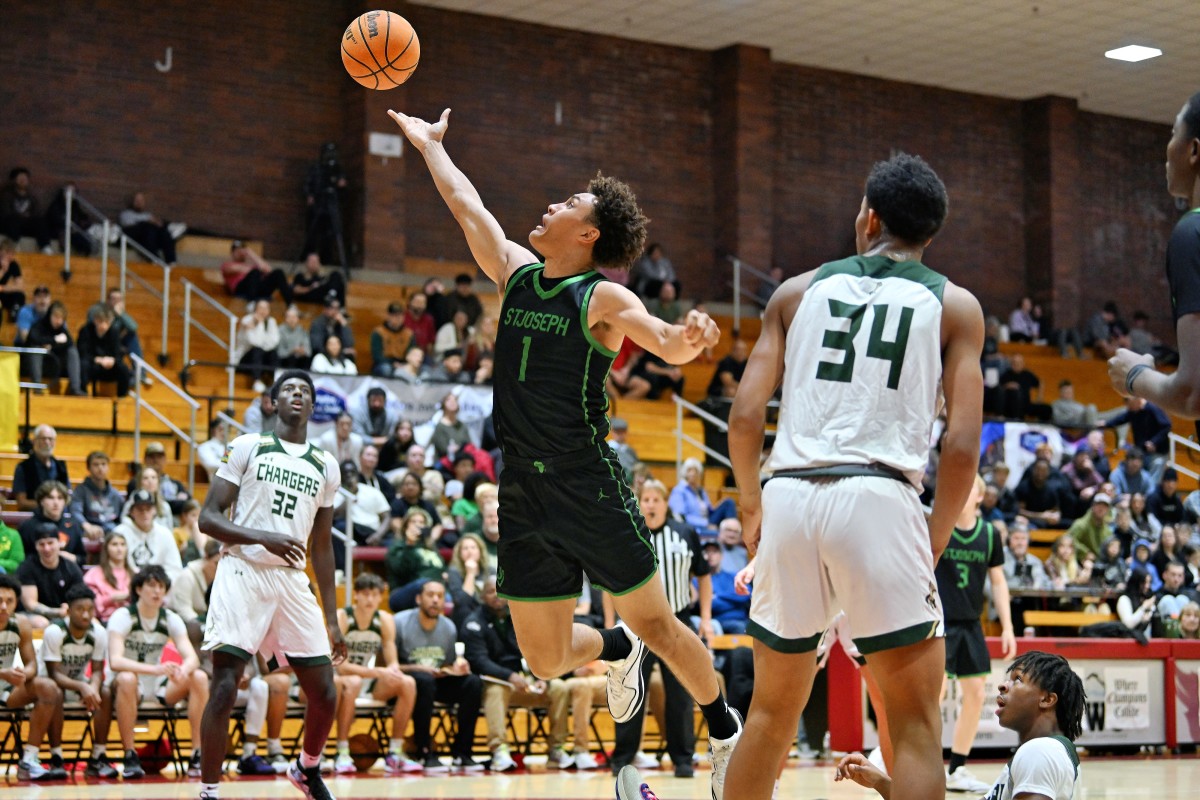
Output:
(380, 50)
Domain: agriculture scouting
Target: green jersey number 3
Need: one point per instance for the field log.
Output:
(892, 351)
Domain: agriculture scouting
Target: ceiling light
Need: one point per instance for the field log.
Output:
(1133, 52)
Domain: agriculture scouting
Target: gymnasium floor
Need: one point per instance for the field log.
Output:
(1136, 778)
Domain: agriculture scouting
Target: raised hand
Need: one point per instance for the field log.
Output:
(420, 132)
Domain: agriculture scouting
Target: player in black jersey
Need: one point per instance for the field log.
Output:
(974, 553)
(1130, 373)
(565, 508)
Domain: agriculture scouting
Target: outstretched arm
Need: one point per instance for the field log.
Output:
(497, 256)
(615, 312)
(1177, 393)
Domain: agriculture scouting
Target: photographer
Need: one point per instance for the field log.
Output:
(321, 189)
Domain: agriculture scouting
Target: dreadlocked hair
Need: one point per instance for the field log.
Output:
(1053, 674)
(621, 223)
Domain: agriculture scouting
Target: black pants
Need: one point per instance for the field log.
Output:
(677, 727)
(11, 301)
(260, 362)
(155, 238)
(333, 282)
(257, 285)
(14, 227)
(464, 690)
(118, 374)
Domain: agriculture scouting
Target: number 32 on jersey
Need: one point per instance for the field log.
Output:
(835, 339)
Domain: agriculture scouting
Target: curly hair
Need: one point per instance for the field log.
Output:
(908, 196)
(621, 223)
(1191, 117)
(1054, 674)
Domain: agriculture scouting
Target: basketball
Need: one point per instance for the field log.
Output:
(380, 50)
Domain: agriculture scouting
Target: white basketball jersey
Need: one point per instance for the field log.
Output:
(863, 368)
(282, 485)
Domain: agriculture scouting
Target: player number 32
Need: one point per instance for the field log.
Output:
(843, 340)
(284, 505)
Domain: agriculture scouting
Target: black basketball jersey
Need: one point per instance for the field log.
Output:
(963, 569)
(549, 371)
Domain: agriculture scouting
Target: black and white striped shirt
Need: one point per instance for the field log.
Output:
(679, 558)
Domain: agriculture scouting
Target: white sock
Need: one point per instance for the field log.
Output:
(208, 791)
(56, 751)
(31, 754)
(249, 749)
(307, 761)
(396, 747)
(274, 746)
(343, 747)
(99, 751)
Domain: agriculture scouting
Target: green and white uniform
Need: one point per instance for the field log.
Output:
(1047, 765)
(145, 640)
(10, 644)
(363, 644)
(72, 656)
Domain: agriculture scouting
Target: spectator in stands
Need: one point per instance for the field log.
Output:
(1106, 332)
(489, 515)
(619, 442)
(1090, 530)
(450, 433)
(368, 521)
(412, 369)
(190, 541)
(372, 670)
(1110, 568)
(341, 441)
(425, 640)
(481, 344)
(464, 299)
(1188, 626)
(369, 474)
(257, 345)
(23, 688)
(411, 559)
(465, 510)
(110, 580)
(189, 593)
(1067, 412)
(450, 370)
(651, 376)
(171, 490)
(1097, 449)
(1040, 500)
(1143, 342)
(312, 285)
(12, 549)
(260, 415)
(95, 502)
(394, 450)
(1140, 520)
(12, 295)
(30, 314)
(1022, 327)
(20, 214)
(690, 502)
(150, 542)
(1165, 504)
(248, 276)
(469, 567)
(1142, 551)
(294, 350)
(390, 343)
(1022, 392)
(409, 495)
(51, 334)
(651, 271)
(332, 322)
(210, 453)
(666, 305)
(734, 556)
(1130, 477)
(418, 320)
(333, 360)
(156, 235)
(1006, 498)
(414, 462)
(492, 651)
(52, 498)
(1136, 605)
(1085, 481)
(454, 335)
(124, 324)
(1149, 426)
(1166, 550)
(729, 370)
(100, 352)
(1021, 569)
(730, 609)
(372, 418)
(39, 467)
(82, 241)
(45, 576)
(435, 301)
(1063, 568)
(135, 659)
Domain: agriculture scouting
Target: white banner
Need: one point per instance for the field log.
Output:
(1015, 443)
(1127, 698)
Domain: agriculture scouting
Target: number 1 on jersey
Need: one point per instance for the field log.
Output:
(525, 342)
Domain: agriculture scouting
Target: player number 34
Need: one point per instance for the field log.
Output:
(892, 351)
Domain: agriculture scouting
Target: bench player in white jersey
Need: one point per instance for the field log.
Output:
(137, 635)
(860, 347)
(372, 670)
(69, 647)
(280, 490)
(21, 686)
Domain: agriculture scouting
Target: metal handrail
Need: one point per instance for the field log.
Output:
(720, 424)
(139, 366)
(738, 291)
(1174, 439)
(189, 289)
(229, 420)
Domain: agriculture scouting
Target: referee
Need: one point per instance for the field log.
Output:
(680, 558)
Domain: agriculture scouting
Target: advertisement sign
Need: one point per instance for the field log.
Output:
(1187, 700)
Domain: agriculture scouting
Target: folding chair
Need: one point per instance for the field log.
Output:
(168, 717)
(11, 719)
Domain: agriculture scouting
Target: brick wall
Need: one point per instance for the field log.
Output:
(224, 140)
